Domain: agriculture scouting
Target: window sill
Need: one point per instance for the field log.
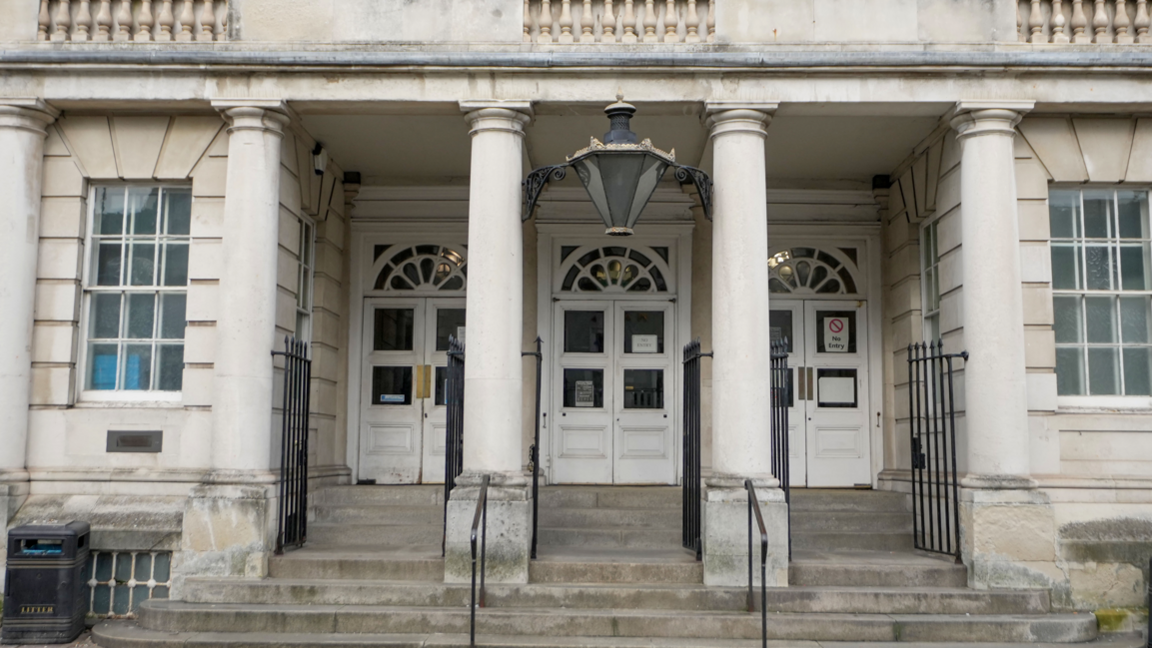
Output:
(130, 399)
(1099, 404)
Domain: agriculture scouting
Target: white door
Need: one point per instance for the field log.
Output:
(613, 384)
(829, 357)
(402, 413)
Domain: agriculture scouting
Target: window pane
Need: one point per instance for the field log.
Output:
(1101, 267)
(143, 264)
(1134, 266)
(142, 202)
(643, 389)
(780, 326)
(1064, 214)
(306, 243)
(1069, 319)
(141, 315)
(105, 316)
(171, 367)
(393, 329)
(583, 387)
(1065, 270)
(1098, 214)
(1136, 372)
(137, 367)
(583, 331)
(108, 264)
(1132, 212)
(643, 331)
(173, 318)
(176, 264)
(1103, 372)
(102, 366)
(449, 321)
(177, 211)
(1101, 313)
(441, 396)
(391, 385)
(109, 210)
(1134, 319)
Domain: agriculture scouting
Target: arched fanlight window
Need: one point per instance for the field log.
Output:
(614, 269)
(421, 268)
(812, 271)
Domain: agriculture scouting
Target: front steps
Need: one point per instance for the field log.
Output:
(610, 573)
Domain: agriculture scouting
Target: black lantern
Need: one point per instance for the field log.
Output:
(620, 173)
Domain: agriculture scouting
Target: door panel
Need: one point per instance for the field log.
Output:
(583, 386)
(837, 407)
(391, 428)
(644, 448)
(787, 321)
(445, 317)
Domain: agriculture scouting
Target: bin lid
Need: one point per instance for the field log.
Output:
(71, 529)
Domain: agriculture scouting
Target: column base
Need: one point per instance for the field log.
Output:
(1008, 535)
(509, 535)
(725, 532)
(229, 530)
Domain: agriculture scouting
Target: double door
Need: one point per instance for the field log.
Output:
(613, 395)
(403, 387)
(828, 414)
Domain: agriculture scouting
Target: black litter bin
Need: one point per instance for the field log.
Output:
(45, 587)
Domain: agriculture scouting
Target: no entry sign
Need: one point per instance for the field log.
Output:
(836, 332)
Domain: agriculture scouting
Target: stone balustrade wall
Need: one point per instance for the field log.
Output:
(1083, 21)
(133, 20)
(619, 21)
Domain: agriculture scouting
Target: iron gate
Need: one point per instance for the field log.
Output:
(781, 401)
(292, 520)
(454, 429)
(690, 526)
(932, 433)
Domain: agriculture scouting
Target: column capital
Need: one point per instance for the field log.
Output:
(739, 116)
(27, 113)
(972, 118)
(497, 115)
(270, 115)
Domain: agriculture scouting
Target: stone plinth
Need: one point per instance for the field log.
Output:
(725, 534)
(509, 529)
(229, 530)
(1008, 537)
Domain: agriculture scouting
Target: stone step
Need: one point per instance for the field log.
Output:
(851, 522)
(125, 634)
(544, 571)
(611, 497)
(836, 541)
(609, 537)
(380, 514)
(176, 616)
(840, 499)
(344, 534)
(402, 495)
(329, 563)
(881, 570)
(610, 518)
(616, 597)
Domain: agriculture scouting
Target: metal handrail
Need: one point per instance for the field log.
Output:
(534, 450)
(479, 522)
(754, 507)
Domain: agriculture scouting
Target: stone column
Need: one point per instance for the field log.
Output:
(230, 523)
(493, 443)
(23, 124)
(1008, 528)
(741, 440)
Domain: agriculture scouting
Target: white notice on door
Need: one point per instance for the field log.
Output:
(645, 344)
(836, 332)
(585, 394)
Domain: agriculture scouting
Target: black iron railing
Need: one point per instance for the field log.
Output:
(781, 401)
(932, 431)
(454, 428)
(690, 527)
(534, 449)
(292, 518)
(479, 527)
(754, 508)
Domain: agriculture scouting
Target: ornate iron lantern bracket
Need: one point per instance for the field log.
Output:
(536, 181)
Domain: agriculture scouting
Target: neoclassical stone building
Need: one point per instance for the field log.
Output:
(186, 183)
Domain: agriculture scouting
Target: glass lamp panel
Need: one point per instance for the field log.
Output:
(1101, 318)
(650, 176)
(1064, 214)
(620, 175)
(588, 170)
